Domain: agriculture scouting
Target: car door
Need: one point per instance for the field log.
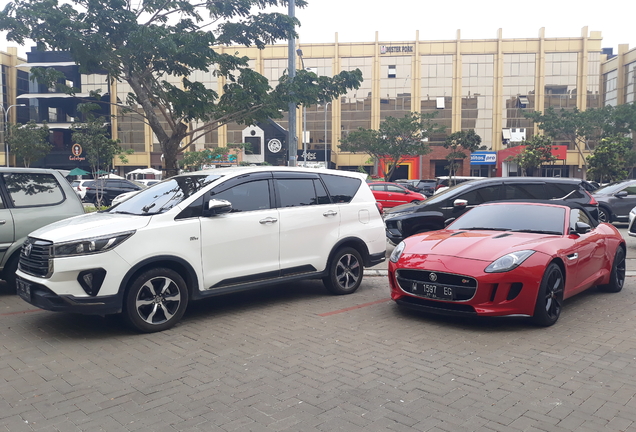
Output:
(243, 245)
(7, 229)
(397, 196)
(380, 193)
(623, 201)
(309, 222)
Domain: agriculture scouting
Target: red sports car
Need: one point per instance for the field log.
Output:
(508, 259)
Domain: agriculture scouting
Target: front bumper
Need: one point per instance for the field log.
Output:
(42, 297)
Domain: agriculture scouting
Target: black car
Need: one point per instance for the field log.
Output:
(423, 186)
(615, 201)
(109, 189)
(408, 219)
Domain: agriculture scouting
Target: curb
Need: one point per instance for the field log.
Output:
(372, 272)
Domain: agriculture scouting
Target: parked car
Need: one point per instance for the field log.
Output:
(423, 186)
(444, 182)
(615, 201)
(391, 194)
(123, 197)
(30, 198)
(108, 189)
(508, 259)
(204, 234)
(80, 187)
(147, 182)
(406, 220)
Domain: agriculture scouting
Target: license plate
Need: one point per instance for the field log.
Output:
(23, 289)
(432, 291)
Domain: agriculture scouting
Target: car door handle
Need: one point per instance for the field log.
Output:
(2, 222)
(268, 220)
(573, 256)
(330, 213)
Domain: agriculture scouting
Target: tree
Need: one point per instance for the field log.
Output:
(29, 142)
(457, 142)
(395, 140)
(196, 159)
(538, 151)
(157, 46)
(610, 158)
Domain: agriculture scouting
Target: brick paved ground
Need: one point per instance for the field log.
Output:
(293, 358)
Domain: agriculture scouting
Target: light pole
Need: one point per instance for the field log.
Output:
(6, 129)
(302, 64)
(326, 162)
(292, 144)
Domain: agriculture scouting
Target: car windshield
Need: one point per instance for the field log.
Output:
(513, 217)
(163, 196)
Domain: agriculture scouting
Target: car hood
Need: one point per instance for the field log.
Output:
(90, 225)
(477, 245)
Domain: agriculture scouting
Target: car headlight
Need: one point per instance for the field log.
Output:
(508, 262)
(397, 252)
(91, 245)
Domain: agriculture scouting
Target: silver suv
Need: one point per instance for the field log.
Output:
(29, 199)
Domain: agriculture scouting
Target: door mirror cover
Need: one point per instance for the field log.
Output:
(217, 207)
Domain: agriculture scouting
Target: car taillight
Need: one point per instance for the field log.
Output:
(592, 200)
(379, 207)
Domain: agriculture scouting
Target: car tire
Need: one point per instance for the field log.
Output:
(550, 297)
(604, 215)
(9, 271)
(617, 276)
(345, 272)
(156, 300)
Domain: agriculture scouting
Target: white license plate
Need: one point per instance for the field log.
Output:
(433, 291)
(23, 289)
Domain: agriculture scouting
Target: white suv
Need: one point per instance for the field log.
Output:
(204, 234)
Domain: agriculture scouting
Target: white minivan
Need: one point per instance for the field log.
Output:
(203, 234)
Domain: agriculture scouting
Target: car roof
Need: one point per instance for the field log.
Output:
(525, 179)
(236, 171)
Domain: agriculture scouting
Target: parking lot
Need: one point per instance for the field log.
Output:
(294, 358)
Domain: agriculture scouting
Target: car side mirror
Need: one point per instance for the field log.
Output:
(621, 194)
(216, 207)
(460, 203)
(581, 228)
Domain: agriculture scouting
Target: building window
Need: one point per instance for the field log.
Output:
(392, 71)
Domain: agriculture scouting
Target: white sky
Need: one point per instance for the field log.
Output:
(398, 20)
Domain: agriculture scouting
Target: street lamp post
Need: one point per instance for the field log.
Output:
(6, 129)
(326, 162)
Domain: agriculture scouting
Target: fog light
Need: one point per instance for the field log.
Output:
(91, 280)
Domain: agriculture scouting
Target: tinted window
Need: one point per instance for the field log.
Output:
(395, 189)
(560, 190)
(296, 192)
(511, 217)
(321, 193)
(341, 189)
(33, 189)
(480, 195)
(524, 191)
(247, 196)
(577, 215)
(75, 183)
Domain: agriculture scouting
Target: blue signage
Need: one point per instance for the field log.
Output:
(483, 158)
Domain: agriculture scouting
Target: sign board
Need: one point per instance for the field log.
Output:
(483, 158)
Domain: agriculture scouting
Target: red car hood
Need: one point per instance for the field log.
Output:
(477, 245)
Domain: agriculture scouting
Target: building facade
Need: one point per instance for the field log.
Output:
(485, 85)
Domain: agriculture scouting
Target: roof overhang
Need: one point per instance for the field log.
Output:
(50, 64)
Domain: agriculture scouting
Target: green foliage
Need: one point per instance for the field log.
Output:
(196, 159)
(610, 159)
(29, 142)
(157, 46)
(396, 139)
(538, 151)
(457, 142)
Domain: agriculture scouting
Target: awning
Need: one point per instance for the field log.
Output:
(51, 95)
(51, 64)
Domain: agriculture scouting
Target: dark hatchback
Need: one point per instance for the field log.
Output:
(405, 220)
(109, 189)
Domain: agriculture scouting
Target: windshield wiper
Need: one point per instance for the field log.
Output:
(538, 231)
(486, 229)
(148, 207)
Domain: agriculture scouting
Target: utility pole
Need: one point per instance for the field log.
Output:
(292, 143)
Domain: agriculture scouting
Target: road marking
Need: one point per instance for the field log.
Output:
(354, 307)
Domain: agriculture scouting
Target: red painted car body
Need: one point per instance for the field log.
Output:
(392, 194)
(446, 272)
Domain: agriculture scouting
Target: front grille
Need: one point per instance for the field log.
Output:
(35, 258)
(428, 284)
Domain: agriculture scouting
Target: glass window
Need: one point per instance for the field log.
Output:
(515, 217)
(393, 188)
(321, 193)
(341, 189)
(481, 195)
(560, 190)
(247, 196)
(631, 190)
(524, 191)
(577, 215)
(377, 187)
(28, 190)
(296, 192)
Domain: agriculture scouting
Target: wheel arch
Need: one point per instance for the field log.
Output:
(179, 265)
(607, 210)
(354, 242)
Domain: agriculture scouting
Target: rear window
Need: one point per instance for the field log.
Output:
(28, 190)
(75, 183)
(342, 189)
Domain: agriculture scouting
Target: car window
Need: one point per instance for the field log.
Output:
(248, 196)
(75, 183)
(377, 187)
(513, 217)
(296, 192)
(480, 195)
(32, 189)
(393, 188)
(341, 189)
(577, 215)
(561, 190)
(524, 191)
(631, 190)
(321, 193)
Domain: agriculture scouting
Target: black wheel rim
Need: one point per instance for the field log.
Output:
(158, 300)
(554, 294)
(348, 271)
(619, 274)
(602, 216)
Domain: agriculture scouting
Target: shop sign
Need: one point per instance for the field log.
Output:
(389, 49)
(483, 158)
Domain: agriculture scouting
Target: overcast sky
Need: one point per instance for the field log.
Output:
(398, 20)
